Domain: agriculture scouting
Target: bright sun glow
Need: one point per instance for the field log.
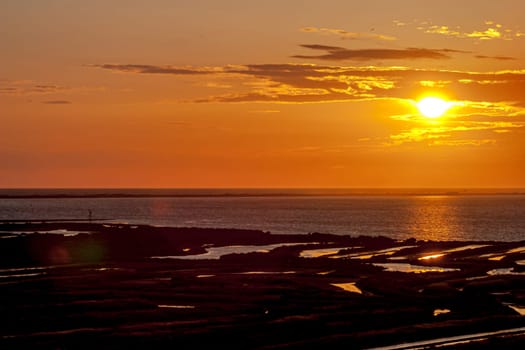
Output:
(433, 107)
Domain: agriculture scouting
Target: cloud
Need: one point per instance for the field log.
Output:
(487, 106)
(151, 69)
(467, 123)
(28, 87)
(8, 90)
(472, 133)
(491, 31)
(501, 58)
(399, 23)
(300, 83)
(57, 102)
(335, 53)
(343, 34)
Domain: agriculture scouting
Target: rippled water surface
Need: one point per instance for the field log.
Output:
(439, 217)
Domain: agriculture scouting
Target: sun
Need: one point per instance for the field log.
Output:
(433, 107)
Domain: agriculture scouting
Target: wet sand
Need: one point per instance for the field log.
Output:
(84, 286)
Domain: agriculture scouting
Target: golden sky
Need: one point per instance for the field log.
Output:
(175, 93)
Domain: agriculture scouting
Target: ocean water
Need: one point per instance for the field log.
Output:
(423, 216)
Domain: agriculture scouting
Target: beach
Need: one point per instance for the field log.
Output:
(82, 285)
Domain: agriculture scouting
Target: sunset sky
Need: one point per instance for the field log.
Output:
(175, 93)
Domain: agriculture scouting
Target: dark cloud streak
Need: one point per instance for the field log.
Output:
(150, 69)
(501, 58)
(335, 53)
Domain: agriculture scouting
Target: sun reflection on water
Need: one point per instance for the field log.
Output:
(433, 218)
(430, 257)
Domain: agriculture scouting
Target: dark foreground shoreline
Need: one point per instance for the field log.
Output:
(85, 286)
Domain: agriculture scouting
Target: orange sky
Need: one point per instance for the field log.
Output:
(261, 94)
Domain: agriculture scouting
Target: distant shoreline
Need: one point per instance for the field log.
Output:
(247, 193)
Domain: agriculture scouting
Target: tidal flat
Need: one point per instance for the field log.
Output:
(83, 286)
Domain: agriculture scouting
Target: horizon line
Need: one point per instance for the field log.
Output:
(27, 193)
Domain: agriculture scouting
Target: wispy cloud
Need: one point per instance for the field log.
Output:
(151, 69)
(343, 34)
(399, 23)
(299, 83)
(335, 53)
(28, 87)
(473, 133)
(490, 31)
(501, 58)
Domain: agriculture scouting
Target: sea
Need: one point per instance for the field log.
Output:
(427, 214)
